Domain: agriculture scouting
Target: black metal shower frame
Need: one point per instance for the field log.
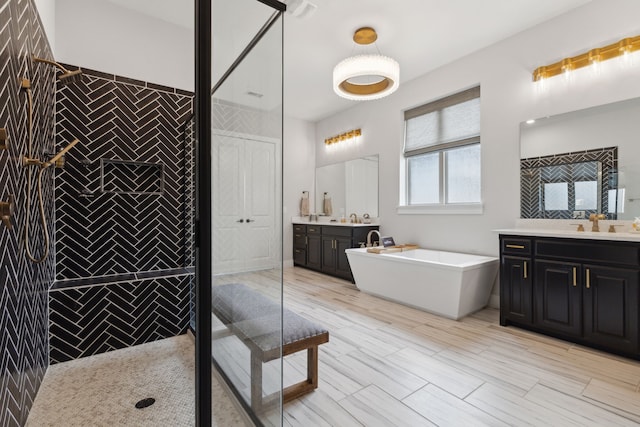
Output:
(203, 210)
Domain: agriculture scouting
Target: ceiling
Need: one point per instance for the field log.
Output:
(421, 35)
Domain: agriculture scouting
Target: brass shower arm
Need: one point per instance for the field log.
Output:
(60, 153)
(55, 64)
(26, 161)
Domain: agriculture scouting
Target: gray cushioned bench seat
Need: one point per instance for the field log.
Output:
(255, 319)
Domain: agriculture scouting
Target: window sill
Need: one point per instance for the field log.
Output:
(450, 209)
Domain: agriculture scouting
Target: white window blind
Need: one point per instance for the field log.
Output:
(449, 122)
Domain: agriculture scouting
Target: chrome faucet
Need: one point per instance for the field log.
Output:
(594, 218)
(353, 218)
(369, 237)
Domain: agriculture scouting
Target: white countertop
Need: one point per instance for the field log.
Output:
(336, 223)
(629, 236)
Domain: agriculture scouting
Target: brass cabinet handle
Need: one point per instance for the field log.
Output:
(516, 246)
(588, 279)
(574, 278)
(525, 269)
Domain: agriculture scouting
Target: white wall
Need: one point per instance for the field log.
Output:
(103, 36)
(299, 173)
(508, 97)
(47, 12)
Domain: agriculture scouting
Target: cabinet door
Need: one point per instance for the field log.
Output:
(515, 290)
(342, 262)
(299, 240)
(328, 254)
(314, 251)
(558, 297)
(299, 256)
(611, 307)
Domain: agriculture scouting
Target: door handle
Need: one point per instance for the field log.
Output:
(588, 278)
(250, 220)
(574, 278)
(306, 241)
(240, 220)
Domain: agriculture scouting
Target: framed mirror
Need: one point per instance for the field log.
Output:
(351, 186)
(582, 162)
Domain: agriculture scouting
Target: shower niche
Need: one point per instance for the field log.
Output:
(131, 177)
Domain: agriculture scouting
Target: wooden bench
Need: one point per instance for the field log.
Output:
(255, 319)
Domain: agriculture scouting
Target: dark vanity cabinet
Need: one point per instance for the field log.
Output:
(515, 270)
(314, 247)
(585, 291)
(334, 259)
(322, 247)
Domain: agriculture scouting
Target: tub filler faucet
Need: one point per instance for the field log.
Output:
(369, 237)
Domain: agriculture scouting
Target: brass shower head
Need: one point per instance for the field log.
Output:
(67, 76)
(60, 153)
(56, 160)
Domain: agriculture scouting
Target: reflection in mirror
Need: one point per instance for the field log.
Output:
(603, 138)
(569, 185)
(351, 185)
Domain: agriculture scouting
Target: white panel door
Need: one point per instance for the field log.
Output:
(243, 204)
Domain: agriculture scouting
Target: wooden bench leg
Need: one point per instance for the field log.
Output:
(312, 366)
(256, 383)
(258, 403)
(311, 383)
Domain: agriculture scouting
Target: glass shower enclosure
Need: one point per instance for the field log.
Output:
(240, 206)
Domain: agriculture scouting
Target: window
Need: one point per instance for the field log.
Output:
(442, 155)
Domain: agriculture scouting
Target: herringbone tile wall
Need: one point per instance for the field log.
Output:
(231, 117)
(566, 167)
(96, 319)
(23, 284)
(108, 229)
(102, 233)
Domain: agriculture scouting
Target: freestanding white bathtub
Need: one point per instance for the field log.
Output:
(449, 284)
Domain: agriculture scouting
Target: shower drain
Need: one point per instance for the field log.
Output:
(145, 402)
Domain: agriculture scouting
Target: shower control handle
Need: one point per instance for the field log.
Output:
(240, 220)
(6, 211)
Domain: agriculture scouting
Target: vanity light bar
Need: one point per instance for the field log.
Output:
(343, 136)
(619, 48)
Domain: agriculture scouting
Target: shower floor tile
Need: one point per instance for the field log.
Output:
(102, 390)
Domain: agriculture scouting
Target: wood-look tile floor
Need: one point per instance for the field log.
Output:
(391, 365)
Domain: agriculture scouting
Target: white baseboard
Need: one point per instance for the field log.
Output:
(287, 263)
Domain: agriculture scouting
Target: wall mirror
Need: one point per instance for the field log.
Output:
(351, 185)
(582, 162)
